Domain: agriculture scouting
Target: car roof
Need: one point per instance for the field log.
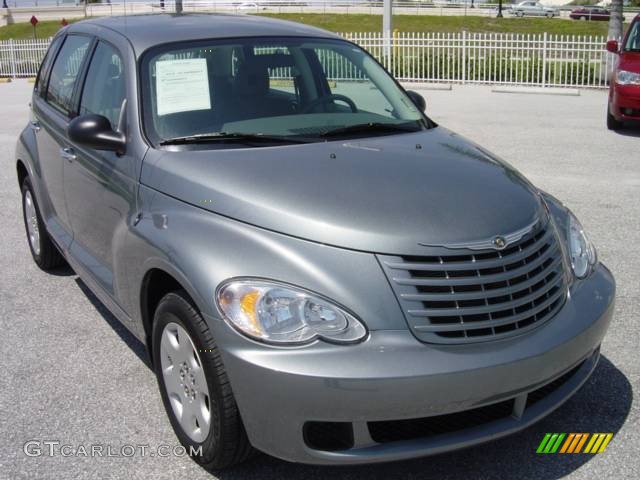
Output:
(145, 31)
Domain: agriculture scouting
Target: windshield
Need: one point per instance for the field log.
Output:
(633, 38)
(276, 88)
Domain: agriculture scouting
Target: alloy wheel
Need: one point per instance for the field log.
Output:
(31, 219)
(185, 382)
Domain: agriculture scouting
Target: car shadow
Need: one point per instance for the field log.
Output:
(127, 337)
(601, 405)
(61, 271)
(629, 131)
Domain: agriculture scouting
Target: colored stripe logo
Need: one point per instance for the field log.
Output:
(574, 443)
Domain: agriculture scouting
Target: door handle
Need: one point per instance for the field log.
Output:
(68, 154)
(35, 125)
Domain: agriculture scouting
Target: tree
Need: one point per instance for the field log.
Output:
(178, 6)
(615, 22)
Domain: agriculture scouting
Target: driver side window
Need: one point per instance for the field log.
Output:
(104, 88)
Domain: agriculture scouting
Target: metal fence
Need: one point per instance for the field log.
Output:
(492, 58)
(514, 59)
(21, 58)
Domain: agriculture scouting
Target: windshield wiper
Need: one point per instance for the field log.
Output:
(233, 136)
(370, 127)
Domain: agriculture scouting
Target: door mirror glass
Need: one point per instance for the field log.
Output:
(418, 100)
(94, 131)
(612, 46)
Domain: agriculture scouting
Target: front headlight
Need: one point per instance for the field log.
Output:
(581, 250)
(627, 78)
(282, 314)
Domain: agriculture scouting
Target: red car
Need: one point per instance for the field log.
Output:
(624, 90)
(590, 13)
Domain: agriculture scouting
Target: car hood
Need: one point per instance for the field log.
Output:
(389, 194)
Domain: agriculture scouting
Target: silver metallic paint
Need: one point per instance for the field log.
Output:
(267, 220)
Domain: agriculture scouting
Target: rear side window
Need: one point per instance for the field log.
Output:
(65, 72)
(41, 81)
(104, 87)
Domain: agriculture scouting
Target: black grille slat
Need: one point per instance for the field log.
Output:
(388, 431)
(432, 327)
(471, 310)
(481, 295)
(503, 275)
(546, 390)
(399, 430)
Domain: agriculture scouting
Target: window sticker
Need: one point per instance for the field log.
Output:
(182, 85)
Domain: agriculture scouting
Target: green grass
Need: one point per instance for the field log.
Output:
(44, 29)
(427, 23)
(373, 23)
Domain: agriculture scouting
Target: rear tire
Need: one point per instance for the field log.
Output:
(612, 123)
(43, 250)
(194, 386)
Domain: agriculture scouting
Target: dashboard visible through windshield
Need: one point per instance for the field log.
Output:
(262, 90)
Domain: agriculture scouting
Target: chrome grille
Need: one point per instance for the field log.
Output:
(480, 295)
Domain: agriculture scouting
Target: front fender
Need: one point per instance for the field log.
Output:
(27, 153)
(201, 249)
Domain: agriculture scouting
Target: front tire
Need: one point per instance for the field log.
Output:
(194, 386)
(43, 250)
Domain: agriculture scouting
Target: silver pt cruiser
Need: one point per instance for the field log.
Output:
(317, 269)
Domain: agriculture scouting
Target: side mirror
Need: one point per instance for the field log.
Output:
(417, 99)
(94, 131)
(612, 46)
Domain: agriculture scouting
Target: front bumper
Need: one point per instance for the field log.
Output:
(625, 102)
(392, 377)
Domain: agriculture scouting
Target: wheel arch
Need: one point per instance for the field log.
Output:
(158, 281)
(22, 171)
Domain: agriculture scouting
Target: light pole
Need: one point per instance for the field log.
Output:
(499, 9)
(387, 15)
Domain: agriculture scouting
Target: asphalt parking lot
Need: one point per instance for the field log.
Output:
(71, 374)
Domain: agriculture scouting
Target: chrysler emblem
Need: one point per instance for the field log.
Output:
(499, 242)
